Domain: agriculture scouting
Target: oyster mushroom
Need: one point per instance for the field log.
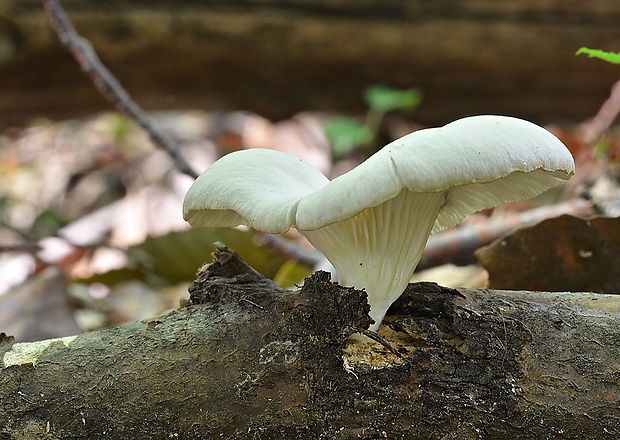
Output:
(373, 222)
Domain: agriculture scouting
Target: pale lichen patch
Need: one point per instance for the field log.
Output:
(29, 352)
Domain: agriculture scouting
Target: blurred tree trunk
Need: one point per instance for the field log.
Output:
(278, 58)
(248, 360)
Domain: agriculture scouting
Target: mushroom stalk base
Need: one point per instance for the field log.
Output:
(378, 249)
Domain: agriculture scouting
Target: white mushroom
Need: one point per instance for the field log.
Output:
(373, 222)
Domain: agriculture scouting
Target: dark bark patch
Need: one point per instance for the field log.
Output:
(6, 342)
(470, 361)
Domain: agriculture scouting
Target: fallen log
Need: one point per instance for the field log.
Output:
(279, 58)
(247, 359)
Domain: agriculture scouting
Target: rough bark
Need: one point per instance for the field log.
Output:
(277, 58)
(248, 360)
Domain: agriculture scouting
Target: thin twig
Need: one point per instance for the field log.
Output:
(30, 248)
(606, 115)
(457, 245)
(253, 303)
(290, 249)
(383, 341)
(108, 85)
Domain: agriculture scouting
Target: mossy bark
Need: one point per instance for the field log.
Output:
(249, 360)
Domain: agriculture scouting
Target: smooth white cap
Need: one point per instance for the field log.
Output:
(259, 188)
(481, 161)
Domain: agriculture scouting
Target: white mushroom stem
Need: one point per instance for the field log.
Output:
(379, 248)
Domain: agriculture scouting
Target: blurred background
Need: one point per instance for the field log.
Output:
(278, 58)
(91, 231)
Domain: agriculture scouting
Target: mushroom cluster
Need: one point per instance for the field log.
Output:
(373, 222)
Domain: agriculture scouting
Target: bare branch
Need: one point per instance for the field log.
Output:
(29, 248)
(605, 117)
(457, 245)
(108, 85)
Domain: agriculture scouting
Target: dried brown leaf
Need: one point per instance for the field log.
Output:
(38, 309)
(560, 254)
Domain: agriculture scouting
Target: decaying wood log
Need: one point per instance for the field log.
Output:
(249, 360)
(278, 58)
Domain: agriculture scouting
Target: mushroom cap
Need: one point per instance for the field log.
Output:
(259, 188)
(480, 161)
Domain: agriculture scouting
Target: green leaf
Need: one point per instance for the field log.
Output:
(177, 256)
(345, 135)
(601, 149)
(610, 57)
(290, 274)
(385, 99)
(113, 277)
(47, 223)
(117, 126)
